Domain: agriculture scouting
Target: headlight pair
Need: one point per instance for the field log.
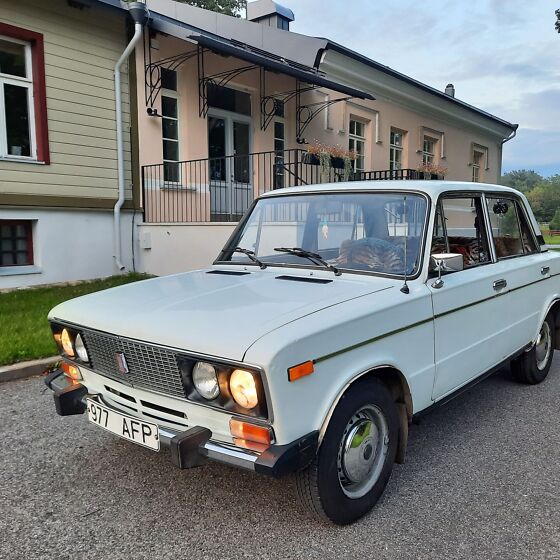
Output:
(70, 343)
(236, 389)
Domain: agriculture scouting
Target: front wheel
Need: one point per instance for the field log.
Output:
(356, 457)
(532, 367)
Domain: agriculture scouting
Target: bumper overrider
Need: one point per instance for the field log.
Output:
(192, 447)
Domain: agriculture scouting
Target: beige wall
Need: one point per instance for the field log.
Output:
(81, 49)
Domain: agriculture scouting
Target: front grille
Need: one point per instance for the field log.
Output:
(150, 367)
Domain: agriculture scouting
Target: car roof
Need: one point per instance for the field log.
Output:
(432, 188)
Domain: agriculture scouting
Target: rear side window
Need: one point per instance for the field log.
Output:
(510, 229)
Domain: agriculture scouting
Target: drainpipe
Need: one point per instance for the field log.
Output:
(139, 14)
(510, 137)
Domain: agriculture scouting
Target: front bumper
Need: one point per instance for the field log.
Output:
(191, 447)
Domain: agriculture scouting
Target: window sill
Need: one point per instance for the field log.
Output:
(21, 160)
(17, 270)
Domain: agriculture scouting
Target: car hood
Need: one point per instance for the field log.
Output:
(210, 312)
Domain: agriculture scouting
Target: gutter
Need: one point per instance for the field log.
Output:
(139, 14)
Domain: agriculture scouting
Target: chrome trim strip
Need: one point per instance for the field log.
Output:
(230, 455)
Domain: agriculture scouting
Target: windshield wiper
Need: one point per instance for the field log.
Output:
(313, 257)
(251, 255)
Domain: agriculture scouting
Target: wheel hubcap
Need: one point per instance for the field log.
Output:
(362, 451)
(543, 346)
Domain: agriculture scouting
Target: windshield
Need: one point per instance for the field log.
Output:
(349, 231)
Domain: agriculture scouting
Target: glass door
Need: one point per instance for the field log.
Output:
(229, 144)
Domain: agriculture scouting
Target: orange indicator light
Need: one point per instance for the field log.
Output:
(71, 371)
(249, 432)
(301, 370)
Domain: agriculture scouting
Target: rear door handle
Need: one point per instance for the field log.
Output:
(499, 284)
(545, 270)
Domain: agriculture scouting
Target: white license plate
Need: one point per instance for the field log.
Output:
(127, 427)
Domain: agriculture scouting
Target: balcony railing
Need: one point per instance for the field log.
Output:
(220, 189)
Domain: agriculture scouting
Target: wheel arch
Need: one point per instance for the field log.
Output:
(554, 310)
(396, 383)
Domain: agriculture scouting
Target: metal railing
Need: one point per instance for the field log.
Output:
(221, 189)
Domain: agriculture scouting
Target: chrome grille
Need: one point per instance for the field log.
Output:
(149, 367)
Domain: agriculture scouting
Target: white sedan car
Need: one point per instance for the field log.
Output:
(333, 315)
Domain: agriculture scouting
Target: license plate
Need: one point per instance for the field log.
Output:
(127, 427)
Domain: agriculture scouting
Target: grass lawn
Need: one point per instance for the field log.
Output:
(25, 332)
(552, 240)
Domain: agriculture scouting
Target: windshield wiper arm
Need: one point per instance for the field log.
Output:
(313, 257)
(251, 255)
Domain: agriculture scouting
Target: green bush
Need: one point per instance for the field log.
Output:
(555, 222)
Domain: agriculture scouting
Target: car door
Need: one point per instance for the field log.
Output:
(520, 266)
(470, 316)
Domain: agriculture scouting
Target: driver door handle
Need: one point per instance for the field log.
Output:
(499, 284)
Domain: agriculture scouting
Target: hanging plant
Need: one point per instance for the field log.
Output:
(349, 159)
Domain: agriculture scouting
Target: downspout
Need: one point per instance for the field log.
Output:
(510, 137)
(139, 14)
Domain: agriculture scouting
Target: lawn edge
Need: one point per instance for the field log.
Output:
(23, 370)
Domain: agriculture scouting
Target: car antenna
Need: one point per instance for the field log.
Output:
(405, 289)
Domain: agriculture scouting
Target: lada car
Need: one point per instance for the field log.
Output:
(334, 315)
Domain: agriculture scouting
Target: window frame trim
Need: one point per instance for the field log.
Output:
(38, 107)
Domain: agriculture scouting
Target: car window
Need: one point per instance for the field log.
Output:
(510, 230)
(459, 228)
(377, 232)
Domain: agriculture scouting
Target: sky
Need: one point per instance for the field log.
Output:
(503, 56)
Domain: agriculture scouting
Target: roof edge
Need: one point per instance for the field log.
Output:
(331, 45)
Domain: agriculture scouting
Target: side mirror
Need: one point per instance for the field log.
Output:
(445, 263)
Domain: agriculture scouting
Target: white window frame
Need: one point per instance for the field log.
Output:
(476, 166)
(27, 82)
(173, 95)
(429, 156)
(357, 139)
(394, 149)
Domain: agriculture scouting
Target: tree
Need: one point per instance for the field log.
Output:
(228, 7)
(557, 25)
(523, 180)
(555, 223)
(545, 199)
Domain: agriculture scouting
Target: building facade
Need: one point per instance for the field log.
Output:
(223, 116)
(58, 163)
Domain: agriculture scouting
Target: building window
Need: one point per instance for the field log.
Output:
(279, 147)
(23, 107)
(229, 99)
(429, 150)
(170, 126)
(16, 243)
(477, 159)
(396, 149)
(357, 144)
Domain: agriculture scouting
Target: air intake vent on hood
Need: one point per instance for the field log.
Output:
(228, 272)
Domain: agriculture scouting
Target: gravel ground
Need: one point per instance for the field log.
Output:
(481, 481)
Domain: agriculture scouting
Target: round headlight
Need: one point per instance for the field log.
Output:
(66, 341)
(80, 348)
(243, 388)
(205, 380)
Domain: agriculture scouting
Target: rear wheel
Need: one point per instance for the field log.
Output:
(356, 457)
(532, 367)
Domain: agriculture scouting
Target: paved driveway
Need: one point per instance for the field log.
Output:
(482, 481)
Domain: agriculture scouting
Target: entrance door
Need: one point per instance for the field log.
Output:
(229, 144)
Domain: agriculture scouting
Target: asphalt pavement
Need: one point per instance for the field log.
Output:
(481, 481)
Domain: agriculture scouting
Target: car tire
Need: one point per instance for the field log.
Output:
(356, 456)
(532, 367)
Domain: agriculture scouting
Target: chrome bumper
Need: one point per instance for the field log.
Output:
(191, 447)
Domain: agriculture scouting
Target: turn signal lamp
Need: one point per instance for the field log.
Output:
(249, 434)
(71, 371)
(301, 370)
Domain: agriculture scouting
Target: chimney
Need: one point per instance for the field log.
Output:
(450, 90)
(270, 13)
